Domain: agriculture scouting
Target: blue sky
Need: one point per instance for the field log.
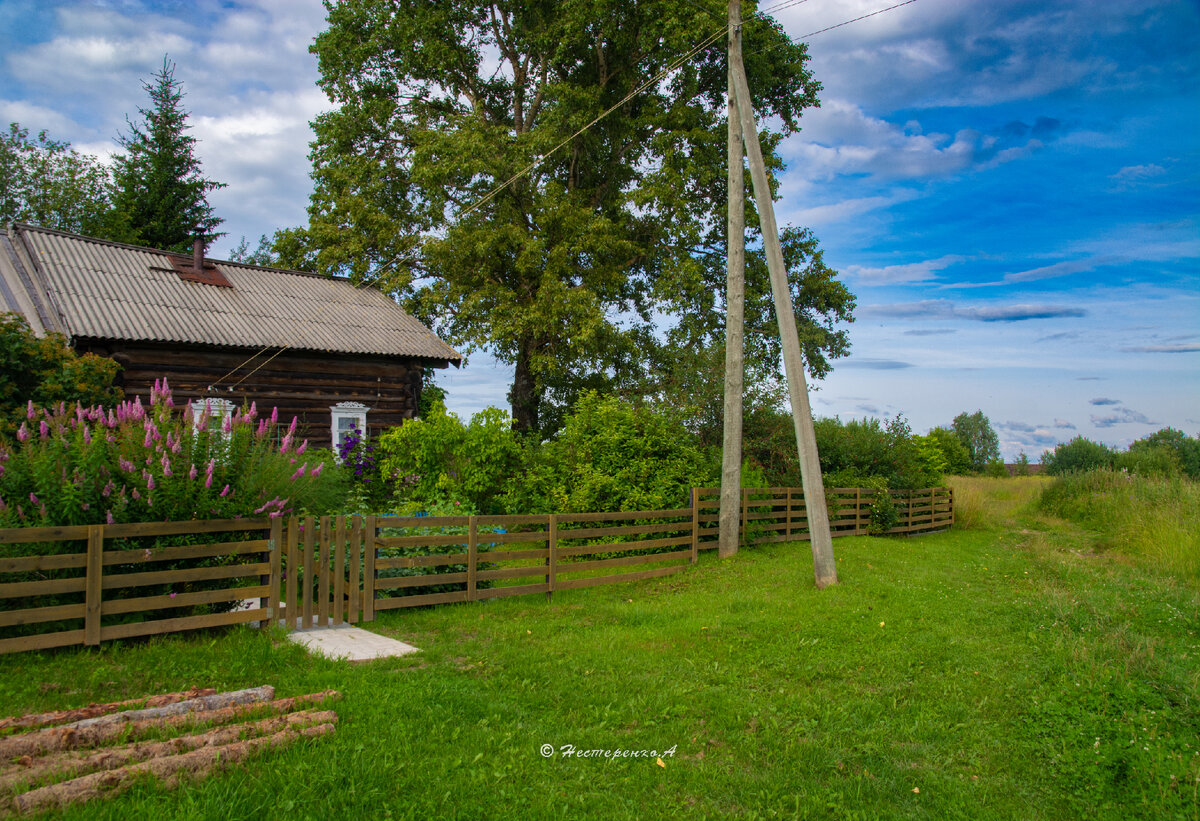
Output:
(1011, 189)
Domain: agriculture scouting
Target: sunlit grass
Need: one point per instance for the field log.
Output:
(988, 673)
(1149, 520)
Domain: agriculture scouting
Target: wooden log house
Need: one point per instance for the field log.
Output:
(224, 334)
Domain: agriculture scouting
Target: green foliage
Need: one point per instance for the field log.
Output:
(613, 455)
(160, 185)
(1022, 468)
(863, 453)
(45, 371)
(78, 466)
(438, 457)
(561, 273)
(45, 182)
(264, 254)
(1150, 519)
(1185, 449)
(977, 436)
(954, 452)
(1078, 456)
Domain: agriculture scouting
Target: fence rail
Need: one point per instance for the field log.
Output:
(95, 583)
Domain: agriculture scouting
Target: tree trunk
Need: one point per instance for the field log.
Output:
(525, 395)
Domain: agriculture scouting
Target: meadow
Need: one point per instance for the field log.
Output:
(1031, 663)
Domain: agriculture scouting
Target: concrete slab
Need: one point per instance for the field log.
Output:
(349, 643)
(344, 641)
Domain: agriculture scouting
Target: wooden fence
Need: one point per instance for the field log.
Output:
(777, 514)
(107, 584)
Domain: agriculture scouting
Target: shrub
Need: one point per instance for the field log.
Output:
(1186, 450)
(135, 464)
(613, 455)
(856, 452)
(438, 457)
(46, 371)
(1077, 456)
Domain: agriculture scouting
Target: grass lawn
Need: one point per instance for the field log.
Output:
(1002, 671)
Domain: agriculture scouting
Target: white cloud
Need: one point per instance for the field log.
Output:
(906, 273)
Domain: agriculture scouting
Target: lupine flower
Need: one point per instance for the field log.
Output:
(274, 415)
(262, 429)
(150, 483)
(30, 413)
(166, 465)
(292, 427)
(224, 491)
(108, 517)
(227, 425)
(303, 447)
(193, 473)
(87, 435)
(317, 470)
(33, 498)
(23, 433)
(301, 471)
(44, 429)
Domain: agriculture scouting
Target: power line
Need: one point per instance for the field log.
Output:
(672, 66)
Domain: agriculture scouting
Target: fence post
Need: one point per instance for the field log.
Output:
(339, 568)
(275, 546)
(858, 529)
(695, 524)
(788, 527)
(292, 572)
(323, 575)
(745, 498)
(472, 557)
(369, 538)
(94, 587)
(551, 554)
(355, 560)
(951, 506)
(910, 507)
(306, 594)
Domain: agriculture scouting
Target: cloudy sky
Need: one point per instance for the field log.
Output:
(1010, 188)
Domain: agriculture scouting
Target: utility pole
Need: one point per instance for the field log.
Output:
(821, 541)
(731, 448)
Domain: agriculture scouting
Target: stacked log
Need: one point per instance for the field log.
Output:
(96, 751)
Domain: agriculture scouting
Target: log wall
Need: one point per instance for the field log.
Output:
(303, 384)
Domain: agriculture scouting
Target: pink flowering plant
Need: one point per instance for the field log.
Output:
(155, 463)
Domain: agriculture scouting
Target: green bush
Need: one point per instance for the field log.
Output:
(1078, 456)
(855, 453)
(612, 455)
(1184, 448)
(439, 457)
(45, 371)
(135, 464)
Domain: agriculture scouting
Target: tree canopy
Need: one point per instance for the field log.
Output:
(975, 432)
(610, 227)
(160, 185)
(45, 182)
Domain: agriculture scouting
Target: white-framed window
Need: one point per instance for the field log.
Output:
(217, 410)
(347, 417)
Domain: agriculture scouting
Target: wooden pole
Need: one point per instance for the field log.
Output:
(824, 568)
(731, 448)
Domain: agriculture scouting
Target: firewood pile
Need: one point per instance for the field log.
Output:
(72, 756)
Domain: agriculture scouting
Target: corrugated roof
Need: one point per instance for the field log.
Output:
(107, 290)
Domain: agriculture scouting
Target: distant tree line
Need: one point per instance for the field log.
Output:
(1167, 452)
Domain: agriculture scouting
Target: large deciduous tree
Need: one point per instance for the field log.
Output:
(160, 184)
(975, 432)
(43, 181)
(566, 272)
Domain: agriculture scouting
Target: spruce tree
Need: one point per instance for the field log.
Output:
(159, 181)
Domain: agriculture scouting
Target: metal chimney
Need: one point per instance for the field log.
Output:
(198, 254)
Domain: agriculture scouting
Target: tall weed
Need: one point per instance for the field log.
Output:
(1153, 520)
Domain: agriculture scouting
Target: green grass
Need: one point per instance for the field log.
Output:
(1151, 521)
(1004, 671)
